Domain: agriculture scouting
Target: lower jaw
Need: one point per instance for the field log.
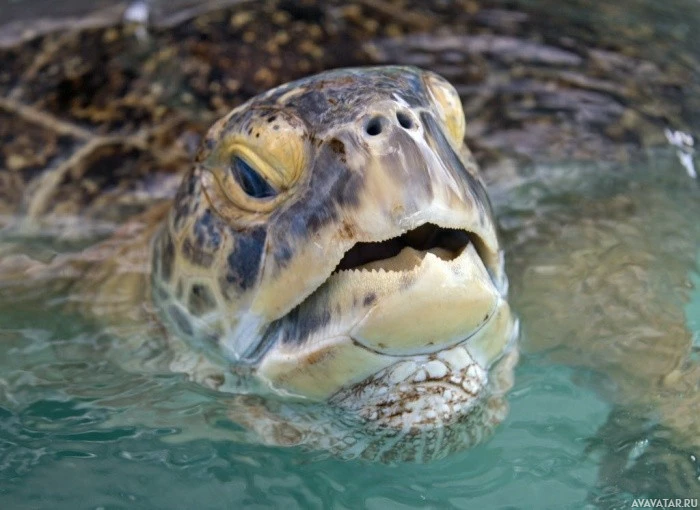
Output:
(429, 392)
(339, 371)
(404, 438)
(345, 428)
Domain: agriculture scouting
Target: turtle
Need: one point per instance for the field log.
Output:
(125, 153)
(316, 219)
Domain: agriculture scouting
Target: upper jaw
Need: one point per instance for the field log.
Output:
(457, 220)
(405, 251)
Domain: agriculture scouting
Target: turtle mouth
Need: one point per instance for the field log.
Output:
(413, 296)
(405, 252)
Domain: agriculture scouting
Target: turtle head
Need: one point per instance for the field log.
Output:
(335, 237)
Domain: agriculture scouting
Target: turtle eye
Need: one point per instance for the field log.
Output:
(250, 180)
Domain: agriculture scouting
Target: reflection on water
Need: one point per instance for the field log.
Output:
(603, 261)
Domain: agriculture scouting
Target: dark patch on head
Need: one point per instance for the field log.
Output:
(283, 253)
(271, 118)
(257, 350)
(207, 231)
(195, 254)
(201, 300)
(292, 329)
(337, 146)
(347, 231)
(313, 102)
(183, 203)
(244, 260)
(207, 146)
(180, 320)
(333, 187)
(320, 355)
(297, 327)
(369, 299)
(167, 256)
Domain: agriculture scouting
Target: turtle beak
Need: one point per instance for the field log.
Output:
(444, 267)
(482, 228)
(446, 153)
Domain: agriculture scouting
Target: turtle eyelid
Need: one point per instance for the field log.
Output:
(252, 183)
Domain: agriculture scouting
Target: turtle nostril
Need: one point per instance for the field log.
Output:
(374, 126)
(405, 120)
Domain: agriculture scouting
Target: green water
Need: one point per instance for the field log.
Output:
(77, 431)
(56, 453)
(537, 457)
